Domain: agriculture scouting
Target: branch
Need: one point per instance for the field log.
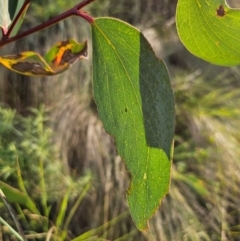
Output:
(75, 11)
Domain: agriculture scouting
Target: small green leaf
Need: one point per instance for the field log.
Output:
(5, 20)
(12, 7)
(135, 103)
(210, 30)
(15, 7)
(58, 59)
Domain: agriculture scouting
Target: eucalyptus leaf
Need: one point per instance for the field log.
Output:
(210, 30)
(135, 102)
(14, 8)
(59, 58)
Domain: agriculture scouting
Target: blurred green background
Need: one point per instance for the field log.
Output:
(54, 150)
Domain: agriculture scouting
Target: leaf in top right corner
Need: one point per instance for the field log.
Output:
(210, 29)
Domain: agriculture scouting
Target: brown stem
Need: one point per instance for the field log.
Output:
(73, 11)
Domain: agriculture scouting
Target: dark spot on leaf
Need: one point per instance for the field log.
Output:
(34, 68)
(70, 57)
(220, 11)
(129, 190)
(64, 43)
(126, 110)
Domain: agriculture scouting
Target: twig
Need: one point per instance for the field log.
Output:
(75, 11)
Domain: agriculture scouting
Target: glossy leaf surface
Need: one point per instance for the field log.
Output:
(210, 30)
(57, 60)
(135, 103)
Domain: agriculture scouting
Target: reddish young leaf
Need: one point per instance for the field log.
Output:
(58, 59)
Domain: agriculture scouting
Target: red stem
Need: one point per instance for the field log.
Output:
(71, 12)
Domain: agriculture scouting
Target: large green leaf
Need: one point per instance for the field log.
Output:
(5, 20)
(210, 30)
(136, 105)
